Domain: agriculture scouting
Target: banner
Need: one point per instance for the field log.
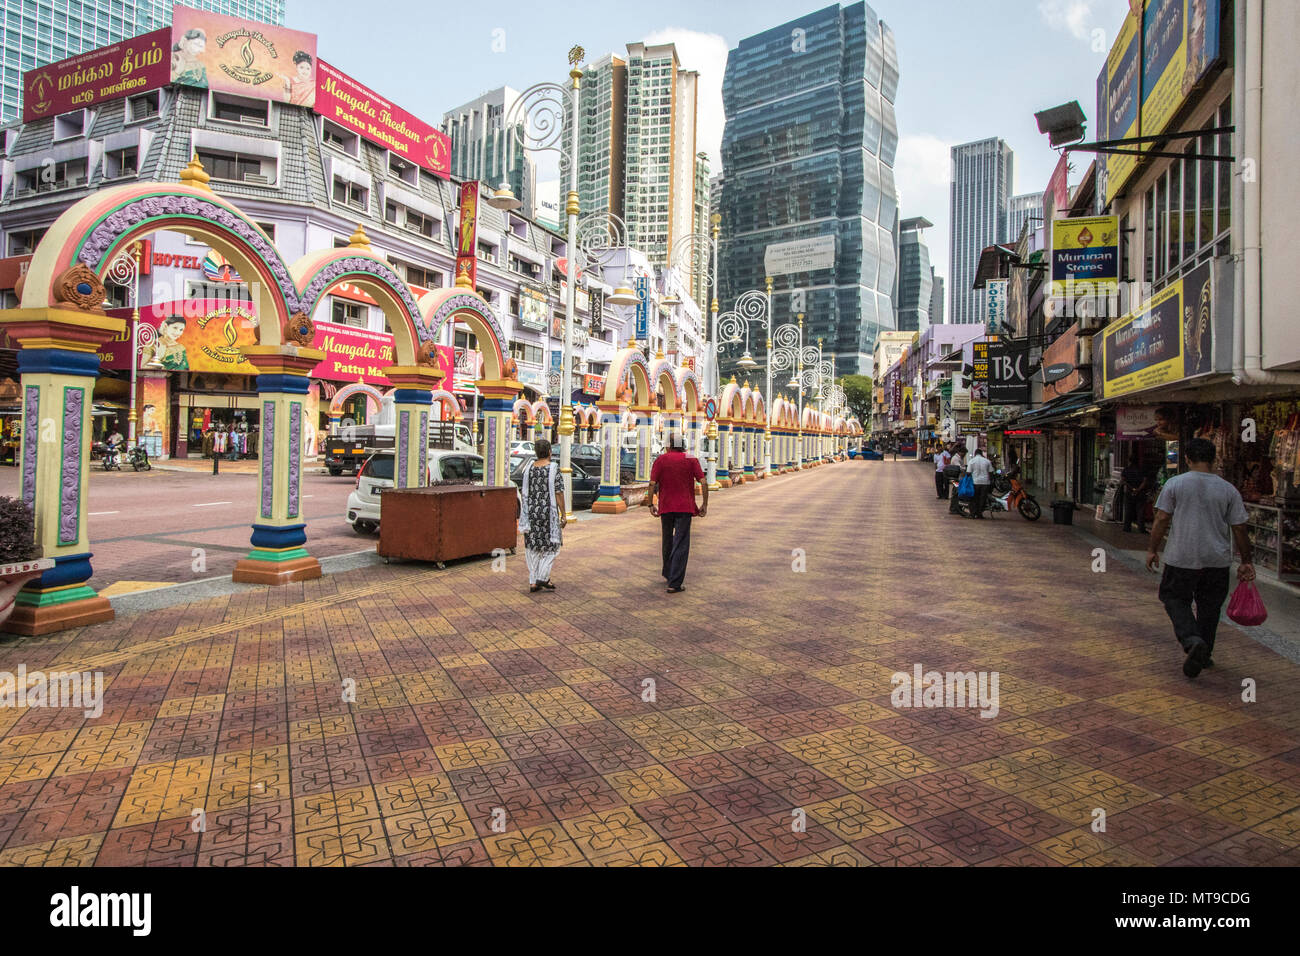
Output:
(1169, 339)
(467, 249)
(229, 55)
(1118, 92)
(1085, 250)
(1009, 372)
(799, 255)
(979, 383)
(194, 335)
(1180, 40)
(533, 307)
(341, 99)
(109, 73)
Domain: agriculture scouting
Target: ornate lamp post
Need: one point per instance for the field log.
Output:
(538, 119)
(791, 354)
(698, 253)
(125, 271)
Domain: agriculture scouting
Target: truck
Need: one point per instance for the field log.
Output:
(349, 446)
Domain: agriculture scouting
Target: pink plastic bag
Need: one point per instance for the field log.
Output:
(1246, 607)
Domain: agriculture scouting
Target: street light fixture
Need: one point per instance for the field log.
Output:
(1063, 124)
(503, 197)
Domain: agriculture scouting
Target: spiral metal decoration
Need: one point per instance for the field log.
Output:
(787, 337)
(600, 236)
(752, 307)
(730, 325)
(537, 118)
(124, 270)
(694, 254)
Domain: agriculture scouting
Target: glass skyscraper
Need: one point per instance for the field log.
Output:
(808, 154)
(37, 32)
(915, 277)
(982, 174)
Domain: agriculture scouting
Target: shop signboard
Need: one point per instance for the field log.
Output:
(557, 359)
(1180, 41)
(995, 305)
(1009, 372)
(642, 308)
(1136, 422)
(1085, 257)
(467, 245)
(357, 355)
(597, 312)
(192, 335)
(1118, 94)
(896, 398)
(979, 384)
(533, 307)
(1170, 338)
(342, 100)
(217, 52)
(593, 385)
(581, 298)
(112, 72)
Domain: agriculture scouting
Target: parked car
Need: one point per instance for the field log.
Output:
(588, 456)
(518, 446)
(376, 477)
(586, 486)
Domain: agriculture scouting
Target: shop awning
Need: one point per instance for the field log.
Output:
(1057, 410)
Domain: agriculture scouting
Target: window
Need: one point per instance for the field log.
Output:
(350, 194)
(343, 312)
(406, 171)
(424, 225)
(523, 352)
(268, 228)
(24, 243)
(486, 252)
(143, 107)
(339, 138)
(237, 109)
(232, 167)
(51, 176)
(70, 125)
(418, 275)
(120, 163)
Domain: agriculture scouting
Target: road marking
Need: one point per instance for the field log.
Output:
(309, 496)
(212, 504)
(92, 514)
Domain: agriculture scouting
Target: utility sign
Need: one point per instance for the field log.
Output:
(710, 408)
(1009, 373)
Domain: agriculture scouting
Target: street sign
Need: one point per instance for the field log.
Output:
(710, 408)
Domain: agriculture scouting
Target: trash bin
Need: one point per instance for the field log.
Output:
(1063, 512)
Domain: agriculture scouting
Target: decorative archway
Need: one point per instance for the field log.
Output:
(375, 399)
(688, 384)
(731, 415)
(448, 406)
(628, 383)
(522, 420)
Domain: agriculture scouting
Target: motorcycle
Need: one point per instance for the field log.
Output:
(1005, 493)
(112, 460)
(139, 458)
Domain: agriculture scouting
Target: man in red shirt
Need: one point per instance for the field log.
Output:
(673, 477)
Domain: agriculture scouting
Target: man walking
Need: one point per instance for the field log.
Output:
(981, 471)
(1137, 484)
(673, 477)
(941, 459)
(1207, 514)
(956, 468)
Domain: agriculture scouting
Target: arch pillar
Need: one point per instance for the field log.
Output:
(673, 422)
(58, 365)
(725, 457)
(413, 388)
(610, 501)
(278, 555)
(498, 407)
(749, 436)
(694, 434)
(765, 437)
(644, 430)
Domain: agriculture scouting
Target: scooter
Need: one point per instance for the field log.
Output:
(139, 458)
(112, 459)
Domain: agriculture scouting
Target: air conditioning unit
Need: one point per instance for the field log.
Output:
(1090, 324)
(24, 193)
(253, 120)
(1083, 354)
(128, 171)
(257, 178)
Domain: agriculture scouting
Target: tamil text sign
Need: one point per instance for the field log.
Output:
(109, 73)
(1085, 256)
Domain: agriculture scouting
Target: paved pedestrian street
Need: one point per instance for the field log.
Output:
(746, 721)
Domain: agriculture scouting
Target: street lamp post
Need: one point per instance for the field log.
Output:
(792, 355)
(125, 271)
(538, 118)
(699, 252)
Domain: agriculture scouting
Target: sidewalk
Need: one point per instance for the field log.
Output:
(242, 467)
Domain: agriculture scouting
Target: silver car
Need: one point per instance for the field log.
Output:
(376, 477)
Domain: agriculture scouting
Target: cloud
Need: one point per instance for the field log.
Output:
(1074, 16)
(922, 175)
(707, 53)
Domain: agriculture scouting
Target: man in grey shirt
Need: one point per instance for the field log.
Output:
(1207, 515)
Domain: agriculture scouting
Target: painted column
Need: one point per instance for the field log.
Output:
(694, 435)
(749, 435)
(280, 531)
(724, 452)
(498, 403)
(672, 422)
(644, 425)
(58, 365)
(413, 388)
(610, 501)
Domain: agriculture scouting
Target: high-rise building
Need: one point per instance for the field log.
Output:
(483, 149)
(808, 191)
(638, 146)
(1022, 209)
(915, 276)
(700, 223)
(937, 303)
(37, 32)
(982, 175)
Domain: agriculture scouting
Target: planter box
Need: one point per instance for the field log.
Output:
(13, 577)
(446, 522)
(635, 494)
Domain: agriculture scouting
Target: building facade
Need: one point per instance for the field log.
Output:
(37, 32)
(982, 176)
(938, 303)
(1027, 208)
(808, 193)
(483, 149)
(915, 276)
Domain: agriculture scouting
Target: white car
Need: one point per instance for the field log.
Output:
(521, 447)
(376, 477)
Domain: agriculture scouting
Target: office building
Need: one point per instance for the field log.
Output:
(937, 301)
(1020, 210)
(808, 191)
(483, 149)
(37, 32)
(982, 175)
(915, 282)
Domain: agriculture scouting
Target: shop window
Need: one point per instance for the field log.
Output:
(143, 107)
(239, 109)
(343, 312)
(350, 194)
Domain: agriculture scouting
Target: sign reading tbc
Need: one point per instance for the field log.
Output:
(1009, 373)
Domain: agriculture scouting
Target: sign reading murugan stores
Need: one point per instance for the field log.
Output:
(341, 99)
(111, 72)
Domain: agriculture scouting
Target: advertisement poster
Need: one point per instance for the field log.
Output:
(1009, 372)
(341, 99)
(1180, 39)
(229, 55)
(355, 355)
(532, 308)
(467, 247)
(909, 410)
(154, 408)
(196, 335)
(1119, 99)
(109, 73)
(896, 399)
(1085, 251)
(1135, 422)
(1169, 339)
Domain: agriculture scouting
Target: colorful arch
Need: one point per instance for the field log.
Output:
(356, 388)
(522, 406)
(660, 372)
(730, 404)
(542, 414)
(629, 367)
(691, 390)
(450, 403)
(458, 304)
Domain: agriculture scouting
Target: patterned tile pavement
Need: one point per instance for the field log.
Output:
(495, 727)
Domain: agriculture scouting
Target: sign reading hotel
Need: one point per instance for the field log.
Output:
(800, 255)
(1085, 251)
(1167, 340)
(341, 99)
(229, 55)
(112, 72)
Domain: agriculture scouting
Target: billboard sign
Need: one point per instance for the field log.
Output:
(642, 308)
(467, 244)
(109, 73)
(533, 307)
(1117, 99)
(995, 305)
(597, 313)
(799, 255)
(1009, 372)
(216, 52)
(1180, 40)
(1085, 250)
(341, 99)
(193, 335)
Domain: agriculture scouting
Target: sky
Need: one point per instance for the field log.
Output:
(969, 69)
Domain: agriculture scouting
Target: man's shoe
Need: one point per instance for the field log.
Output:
(1209, 662)
(1196, 658)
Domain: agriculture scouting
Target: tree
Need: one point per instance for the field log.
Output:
(857, 392)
